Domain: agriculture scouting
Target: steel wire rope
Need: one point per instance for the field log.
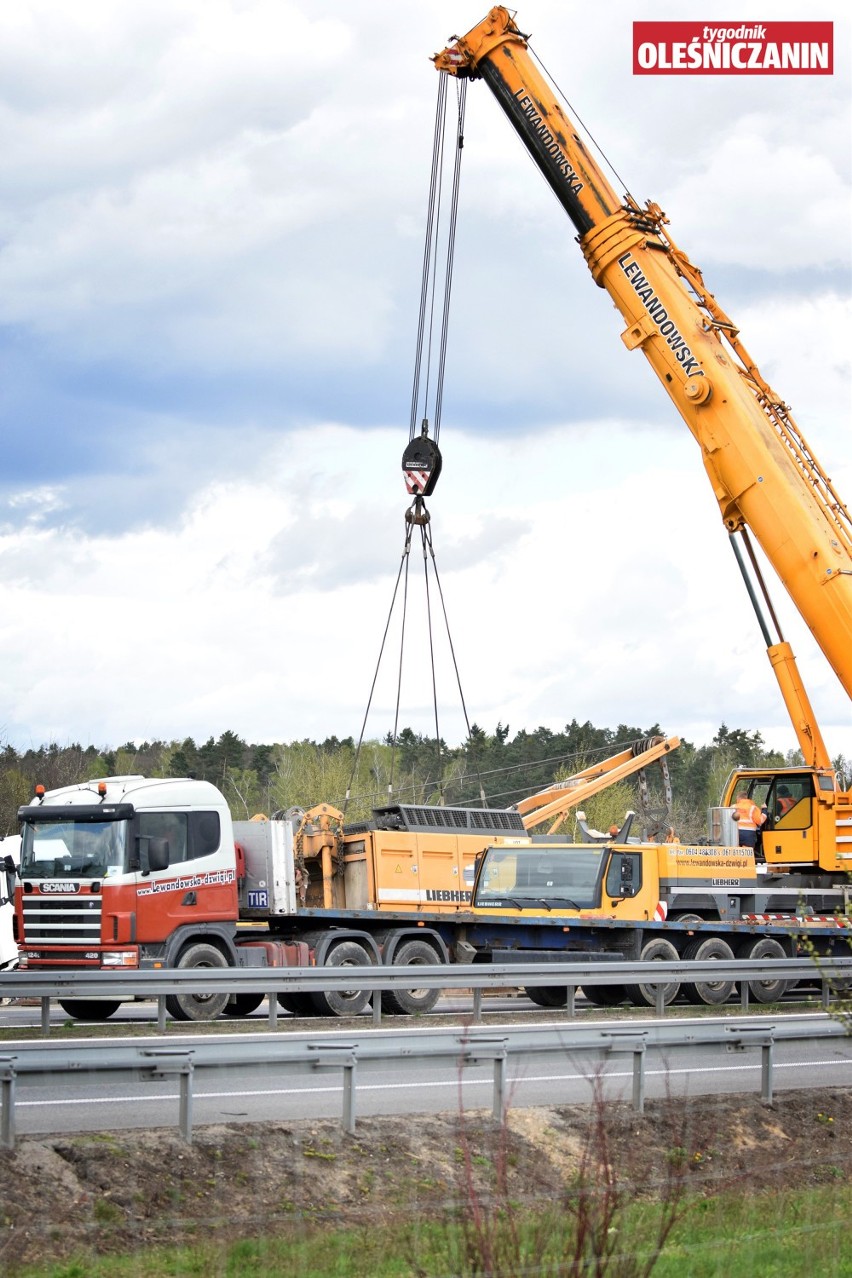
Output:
(427, 540)
(422, 374)
(461, 101)
(409, 530)
(432, 220)
(423, 539)
(576, 114)
(403, 565)
(427, 307)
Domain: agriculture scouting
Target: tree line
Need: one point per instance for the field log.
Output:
(498, 768)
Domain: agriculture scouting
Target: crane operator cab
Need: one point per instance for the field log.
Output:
(775, 813)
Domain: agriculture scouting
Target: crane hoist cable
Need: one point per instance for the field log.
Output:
(421, 460)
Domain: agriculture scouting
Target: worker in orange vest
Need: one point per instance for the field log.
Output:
(749, 818)
(785, 801)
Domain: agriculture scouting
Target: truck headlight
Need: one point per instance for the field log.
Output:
(121, 958)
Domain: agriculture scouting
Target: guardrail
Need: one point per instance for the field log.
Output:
(832, 973)
(40, 1064)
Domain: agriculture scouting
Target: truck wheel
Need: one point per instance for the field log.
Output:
(711, 993)
(547, 995)
(198, 1007)
(412, 1002)
(605, 995)
(765, 947)
(89, 1009)
(298, 1004)
(658, 950)
(344, 1002)
(688, 920)
(243, 1004)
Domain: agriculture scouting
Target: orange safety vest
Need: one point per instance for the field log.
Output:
(750, 815)
(785, 804)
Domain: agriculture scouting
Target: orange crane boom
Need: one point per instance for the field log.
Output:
(556, 800)
(764, 474)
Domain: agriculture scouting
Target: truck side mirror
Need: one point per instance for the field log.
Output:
(627, 888)
(158, 854)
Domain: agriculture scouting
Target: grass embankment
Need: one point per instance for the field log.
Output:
(779, 1235)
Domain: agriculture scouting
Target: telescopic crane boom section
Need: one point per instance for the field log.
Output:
(764, 475)
(554, 802)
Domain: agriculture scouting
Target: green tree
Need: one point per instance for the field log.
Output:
(245, 795)
(15, 791)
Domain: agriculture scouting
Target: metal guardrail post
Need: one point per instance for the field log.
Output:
(377, 1007)
(337, 1055)
(477, 1007)
(826, 994)
(629, 1041)
(756, 1036)
(659, 1000)
(744, 995)
(496, 1050)
(639, 1078)
(570, 996)
(45, 1017)
(161, 1014)
(272, 1013)
(180, 1061)
(766, 1054)
(185, 1114)
(7, 1101)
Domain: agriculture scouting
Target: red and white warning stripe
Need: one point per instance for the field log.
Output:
(416, 480)
(661, 912)
(823, 920)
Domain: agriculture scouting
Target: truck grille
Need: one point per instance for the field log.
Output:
(66, 920)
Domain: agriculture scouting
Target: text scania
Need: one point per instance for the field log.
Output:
(660, 316)
(695, 48)
(548, 141)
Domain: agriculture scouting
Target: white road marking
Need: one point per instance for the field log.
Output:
(443, 1083)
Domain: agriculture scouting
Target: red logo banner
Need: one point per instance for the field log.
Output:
(733, 48)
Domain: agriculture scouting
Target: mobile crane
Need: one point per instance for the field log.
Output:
(765, 477)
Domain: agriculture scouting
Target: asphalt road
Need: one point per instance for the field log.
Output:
(91, 1103)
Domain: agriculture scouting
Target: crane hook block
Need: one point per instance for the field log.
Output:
(421, 466)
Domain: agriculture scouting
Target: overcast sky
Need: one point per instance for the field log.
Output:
(211, 227)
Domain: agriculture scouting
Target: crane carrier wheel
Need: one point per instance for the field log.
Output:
(765, 947)
(711, 993)
(644, 994)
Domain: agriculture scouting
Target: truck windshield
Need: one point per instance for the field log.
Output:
(55, 849)
(552, 876)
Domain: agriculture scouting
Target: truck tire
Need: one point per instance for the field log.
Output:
(243, 1004)
(198, 1007)
(687, 920)
(657, 950)
(89, 1009)
(605, 995)
(297, 1004)
(343, 1002)
(765, 947)
(547, 995)
(416, 1001)
(711, 993)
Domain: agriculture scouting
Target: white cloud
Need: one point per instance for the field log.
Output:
(599, 596)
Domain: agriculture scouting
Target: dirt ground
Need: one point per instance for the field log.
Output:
(121, 1191)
